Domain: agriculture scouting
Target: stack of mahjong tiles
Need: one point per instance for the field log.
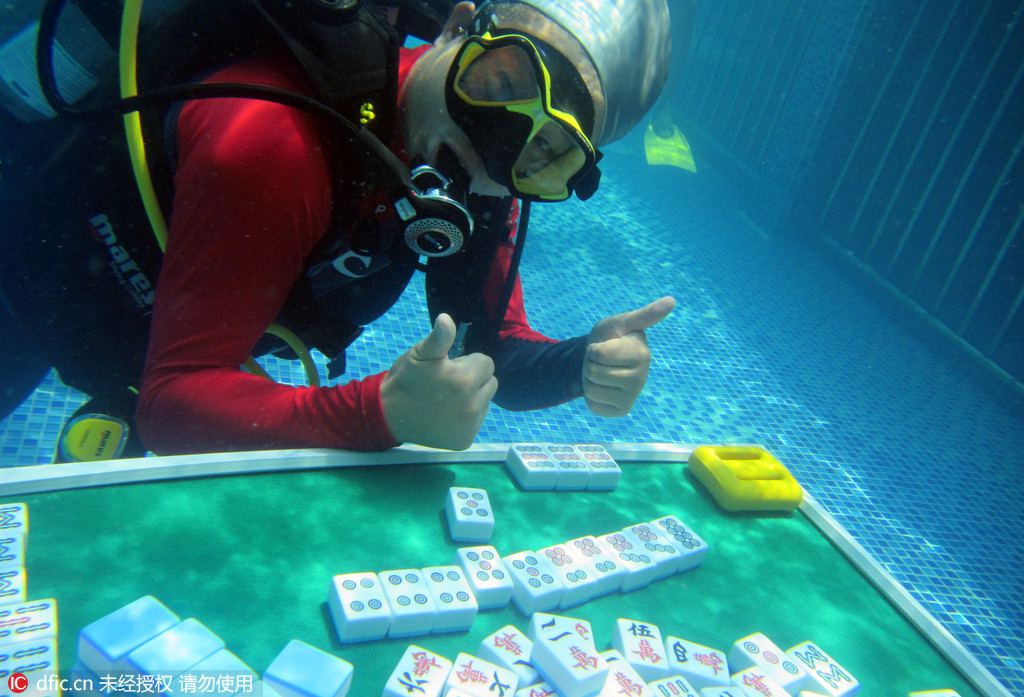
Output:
(546, 467)
(560, 656)
(145, 647)
(28, 628)
(402, 603)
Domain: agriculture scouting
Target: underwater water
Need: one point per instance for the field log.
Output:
(774, 342)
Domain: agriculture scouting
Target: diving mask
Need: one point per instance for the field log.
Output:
(500, 92)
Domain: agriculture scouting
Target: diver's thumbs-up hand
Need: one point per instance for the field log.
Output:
(430, 399)
(618, 360)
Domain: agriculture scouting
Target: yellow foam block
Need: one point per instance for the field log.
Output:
(745, 478)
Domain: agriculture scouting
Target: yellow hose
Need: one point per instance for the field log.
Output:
(131, 17)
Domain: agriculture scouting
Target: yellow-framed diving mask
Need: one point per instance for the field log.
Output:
(527, 113)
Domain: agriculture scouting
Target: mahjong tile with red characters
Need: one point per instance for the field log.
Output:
(510, 648)
(420, 672)
(643, 647)
(477, 677)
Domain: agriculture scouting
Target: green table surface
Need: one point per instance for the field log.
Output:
(252, 556)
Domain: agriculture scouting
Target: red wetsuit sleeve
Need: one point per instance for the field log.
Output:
(252, 199)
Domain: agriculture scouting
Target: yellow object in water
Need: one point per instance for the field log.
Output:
(672, 150)
(92, 437)
(745, 478)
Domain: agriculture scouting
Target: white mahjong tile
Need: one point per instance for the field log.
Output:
(622, 678)
(302, 670)
(535, 585)
(12, 549)
(358, 607)
(693, 548)
(565, 655)
(757, 650)
(573, 472)
(731, 691)
(225, 672)
(28, 621)
(453, 598)
(510, 648)
(575, 572)
(604, 470)
(674, 685)
(13, 583)
(701, 665)
(104, 645)
(532, 467)
(14, 518)
(663, 549)
(37, 661)
(608, 568)
(824, 674)
(478, 677)
(541, 689)
(176, 650)
(641, 644)
(412, 607)
(934, 693)
(756, 682)
(419, 672)
(486, 574)
(631, 555)
(544, 625)
(469, 513)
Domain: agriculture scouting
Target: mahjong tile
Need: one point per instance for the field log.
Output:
(693, 548)
(757, 650)
(536, 587)
(358, 607)
(469, 513)
(486, 574)
(453, 598)
(576, 573)
(412, 606)
(28, 621)
(573, 472)
(419, 672)
(824, 674)
(564, 654)
(104, 645)
(510, 648)
(631, 555)
(480, 678)
(301, 670)
(642, 646)
(701, 665)
(604, 470)
(622, 678)
(532, 467)
(176, 650)
(608, 569)
(663, 549)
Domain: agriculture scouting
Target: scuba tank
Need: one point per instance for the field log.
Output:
(84, 52)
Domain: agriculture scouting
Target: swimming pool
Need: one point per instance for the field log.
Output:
(770, 344)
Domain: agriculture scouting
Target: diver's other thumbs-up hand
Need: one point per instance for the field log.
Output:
(618, 360)
(430, 399)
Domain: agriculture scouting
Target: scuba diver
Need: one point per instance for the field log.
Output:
(289, 226)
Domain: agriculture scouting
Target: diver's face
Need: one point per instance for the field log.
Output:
(427, 123)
